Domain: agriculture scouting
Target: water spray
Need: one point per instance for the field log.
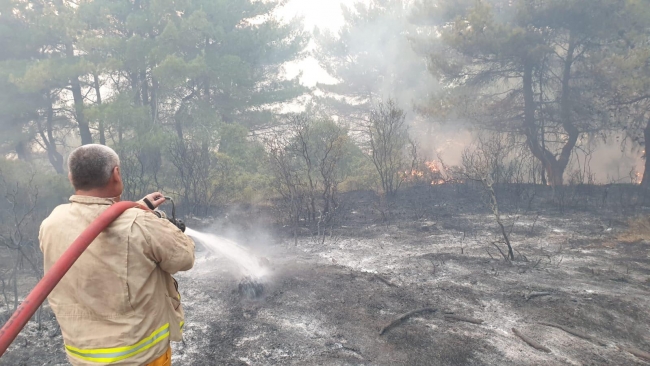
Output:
(253, 269)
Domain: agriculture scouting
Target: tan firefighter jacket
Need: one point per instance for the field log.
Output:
(118, 304)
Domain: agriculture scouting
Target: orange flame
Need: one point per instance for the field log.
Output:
(433, 166)
(430, 171)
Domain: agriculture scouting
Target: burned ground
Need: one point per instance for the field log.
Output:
(324, 303)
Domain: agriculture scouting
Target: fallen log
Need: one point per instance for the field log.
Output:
(575, 333)
(463, 319)
(530, 342)
(405, 317)
(636, 352)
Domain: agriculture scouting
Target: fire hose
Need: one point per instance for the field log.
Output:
(33, 301)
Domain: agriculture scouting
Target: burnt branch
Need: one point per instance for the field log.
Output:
(530, 342)
(636, 352)
(402, 318)
(574, 332)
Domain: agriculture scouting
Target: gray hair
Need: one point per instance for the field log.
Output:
(91, 166)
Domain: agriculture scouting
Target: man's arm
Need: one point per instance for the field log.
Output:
(172, 250)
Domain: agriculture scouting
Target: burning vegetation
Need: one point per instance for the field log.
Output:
(434, 172)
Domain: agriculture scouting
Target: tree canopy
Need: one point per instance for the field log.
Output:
(189, 91)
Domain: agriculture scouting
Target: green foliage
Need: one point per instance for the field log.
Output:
(244, 152)
(176, 87)
(359, 170)
(308, 159)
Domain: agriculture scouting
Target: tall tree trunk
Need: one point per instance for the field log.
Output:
(566, 116)
(154, 99)
(84, 127)
(23, 151)
(554, 167)
(102, 133)
(120, 133)
(135, 88)
(55, 158)
(178, 124)
(542, 129)
(530, 125)
(645, 182)
(206, 81)
(145, 87)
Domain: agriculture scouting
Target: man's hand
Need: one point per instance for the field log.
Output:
(156, 199)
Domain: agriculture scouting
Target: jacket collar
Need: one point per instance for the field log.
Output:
(88, 200)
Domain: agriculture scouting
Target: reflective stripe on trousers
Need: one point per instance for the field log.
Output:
(108, 355)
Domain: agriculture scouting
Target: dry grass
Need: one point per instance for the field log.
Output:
(638, 230)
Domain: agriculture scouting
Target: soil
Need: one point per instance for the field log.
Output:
(327, 299)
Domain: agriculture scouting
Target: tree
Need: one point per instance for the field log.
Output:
(30, 96)
(332, 143)
(479, 166)
(308, 162)
(125, 72)
(180, 74)
(18, 229)
(287, 180)
(525, 67)
(58, 66)
(198, 54)
(389, 141)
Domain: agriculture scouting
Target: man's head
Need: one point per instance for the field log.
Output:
(95, 170)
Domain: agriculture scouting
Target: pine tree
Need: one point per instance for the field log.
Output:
(526, 68)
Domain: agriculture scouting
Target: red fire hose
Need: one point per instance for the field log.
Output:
(26, 310)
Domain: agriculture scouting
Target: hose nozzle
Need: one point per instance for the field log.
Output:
(178, 222)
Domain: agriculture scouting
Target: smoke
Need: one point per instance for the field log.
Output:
(239, 240)
(599, 161)
(379, 39)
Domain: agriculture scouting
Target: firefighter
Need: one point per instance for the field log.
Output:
(118, 304)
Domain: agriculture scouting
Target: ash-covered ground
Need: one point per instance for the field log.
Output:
(325, 301)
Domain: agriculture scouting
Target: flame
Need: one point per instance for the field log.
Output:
(438, 177)
(417, 173)
(433, 166)
(431, 171)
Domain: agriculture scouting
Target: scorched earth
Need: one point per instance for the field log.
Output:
(426, 273)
